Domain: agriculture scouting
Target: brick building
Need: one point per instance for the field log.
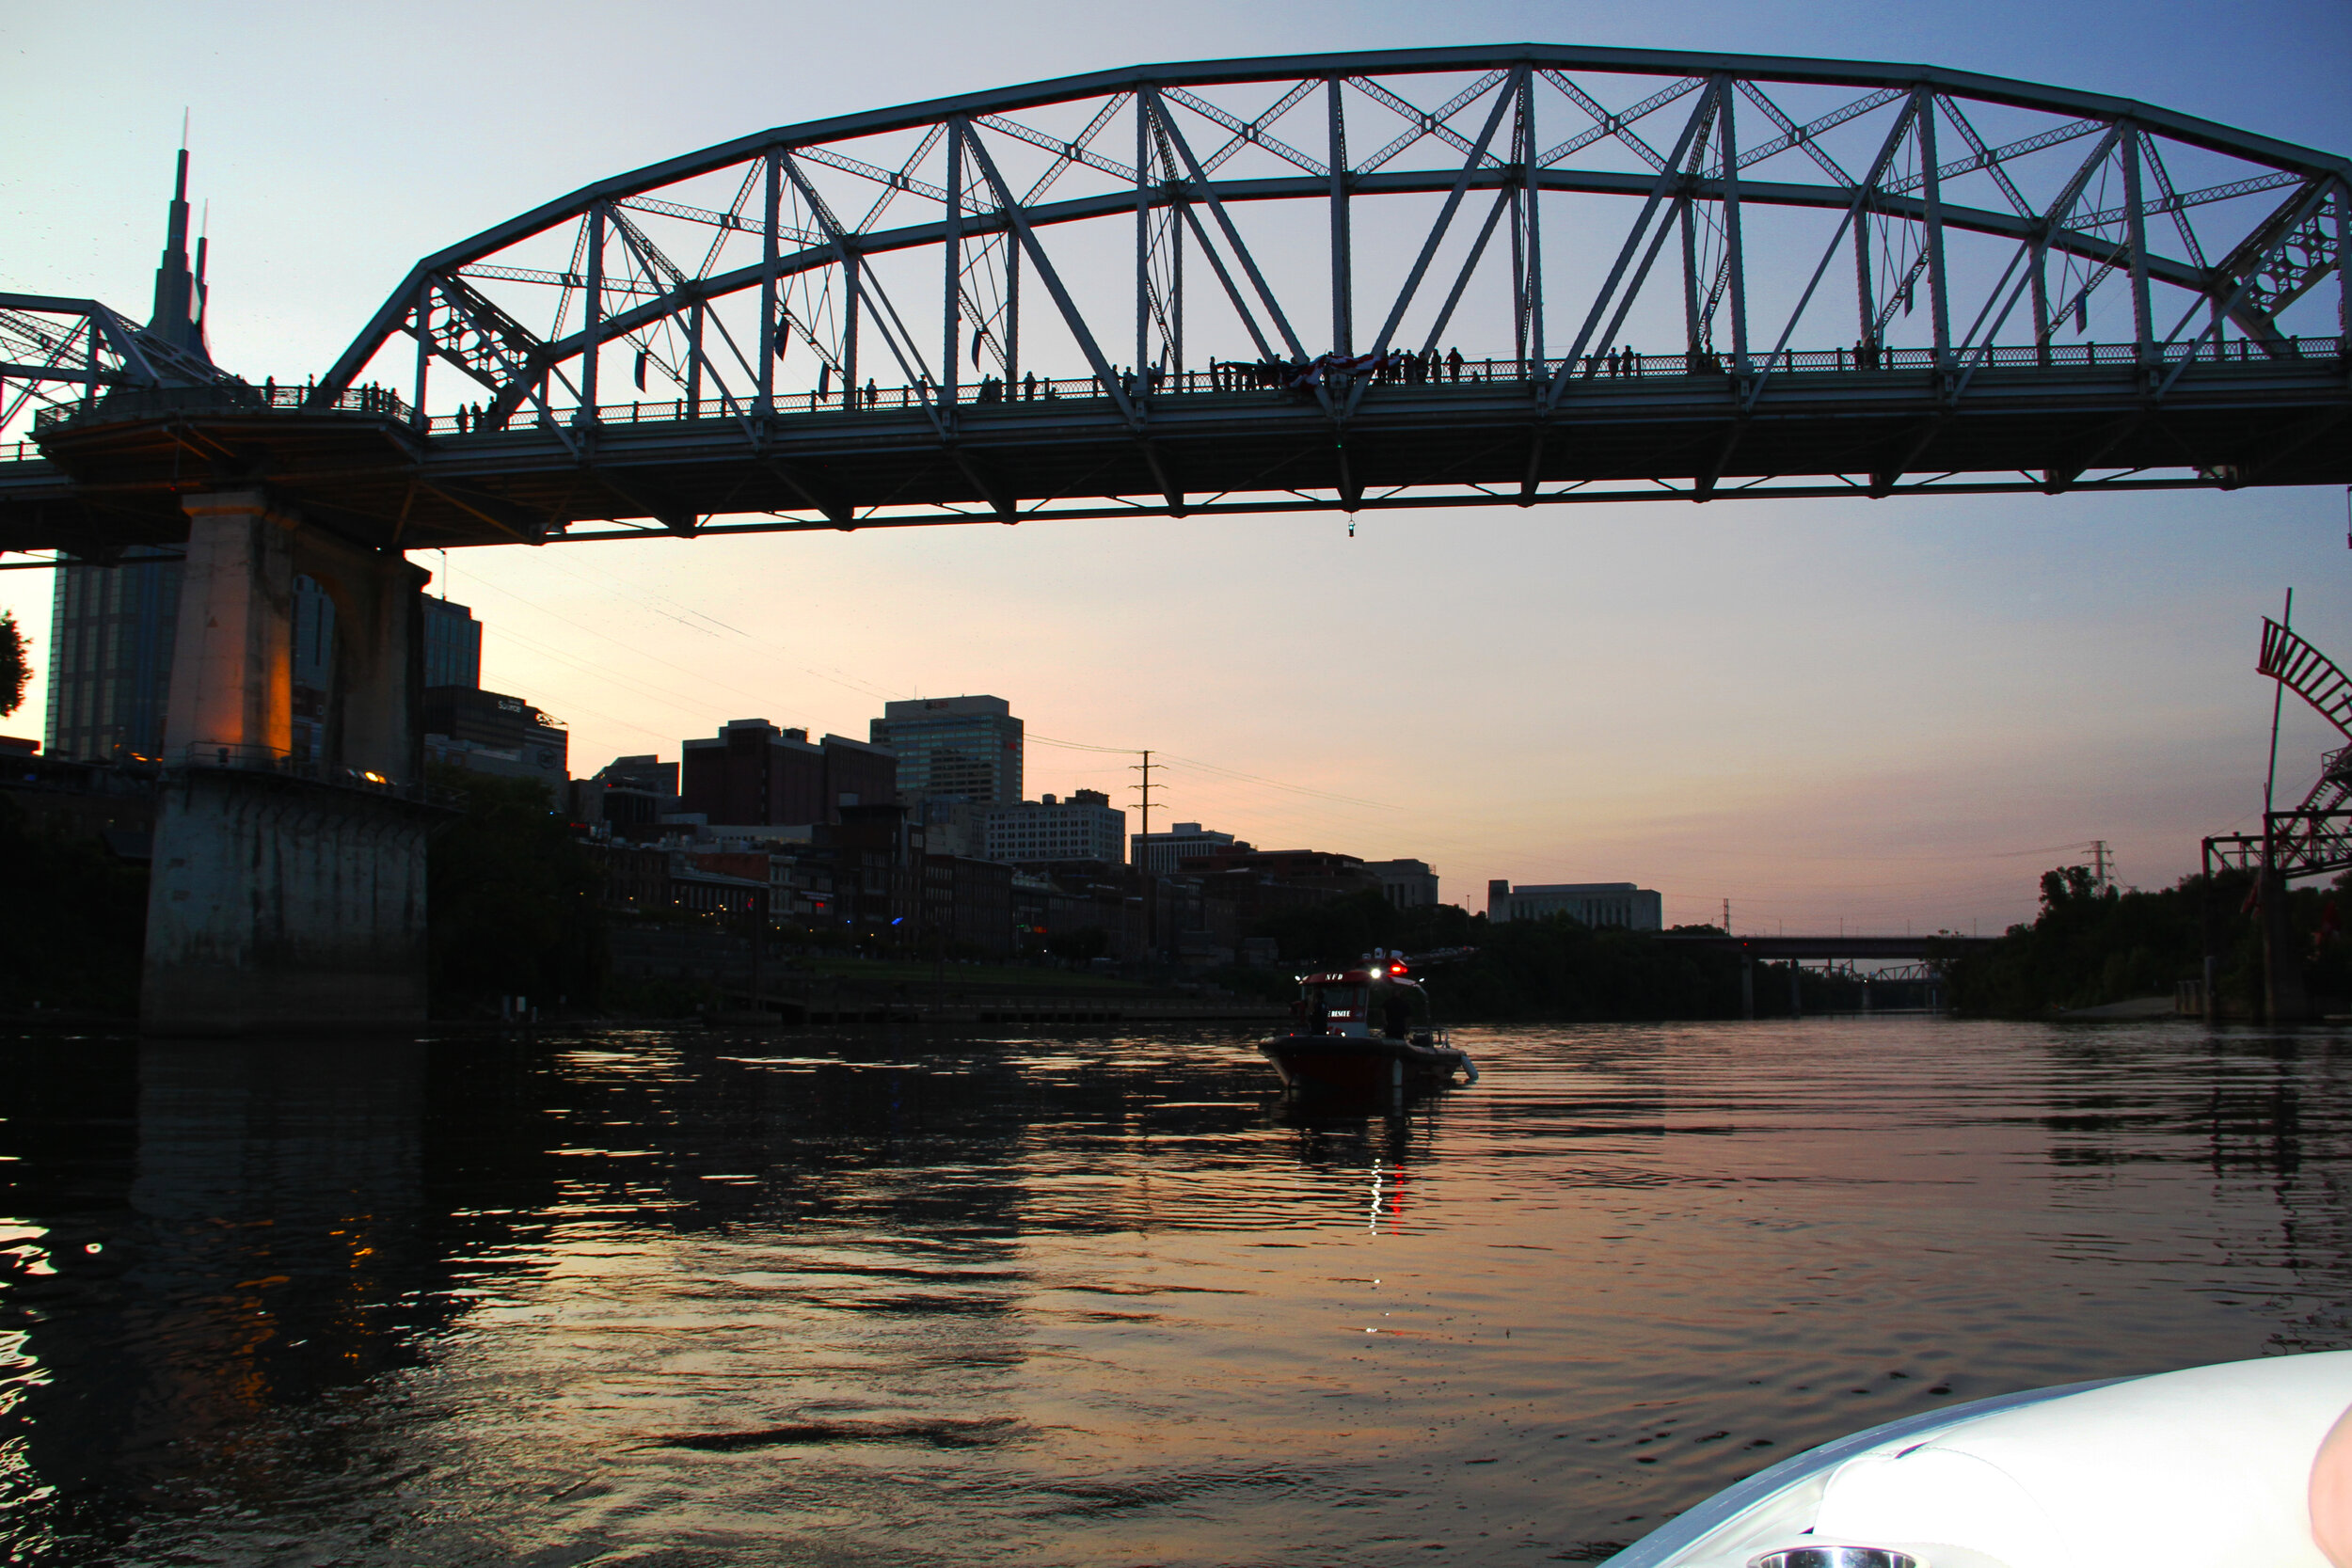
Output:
(755, 774)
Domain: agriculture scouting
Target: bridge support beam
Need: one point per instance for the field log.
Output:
(286, 894)
(2283, 999)
(232, 652)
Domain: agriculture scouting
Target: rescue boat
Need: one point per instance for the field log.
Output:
(1365, 1031)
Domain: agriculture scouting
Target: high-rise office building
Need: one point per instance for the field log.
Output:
(963, 749)
(313, 668)
(109, 656)
(112, 628)
(452, 644)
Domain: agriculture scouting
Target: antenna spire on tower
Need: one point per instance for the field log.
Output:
(178, 289)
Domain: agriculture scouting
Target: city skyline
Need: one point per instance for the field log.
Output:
(1879, 713)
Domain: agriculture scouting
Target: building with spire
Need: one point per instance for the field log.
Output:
(178, 316)
(111, 625)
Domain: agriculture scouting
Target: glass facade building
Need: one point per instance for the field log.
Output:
(109, 656)
(452, 644)
(965, 748)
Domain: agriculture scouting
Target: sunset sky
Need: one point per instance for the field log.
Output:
(1875, 713)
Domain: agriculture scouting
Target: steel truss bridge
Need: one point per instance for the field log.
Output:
(1517, 275)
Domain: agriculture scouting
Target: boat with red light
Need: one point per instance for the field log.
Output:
(1366, 1031)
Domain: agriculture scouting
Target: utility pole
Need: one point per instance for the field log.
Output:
(2101, 867)
(1726, 917)
(1151, 942)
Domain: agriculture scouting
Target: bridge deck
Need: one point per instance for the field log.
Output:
(1782, 948)
(382, 480)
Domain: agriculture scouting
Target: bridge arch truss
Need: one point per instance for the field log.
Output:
(1512, 275)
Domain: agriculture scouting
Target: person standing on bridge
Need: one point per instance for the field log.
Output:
(1453, 364)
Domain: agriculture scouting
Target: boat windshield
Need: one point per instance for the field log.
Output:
(1402, 1009)
(1352, 1007)
(1331, 1008)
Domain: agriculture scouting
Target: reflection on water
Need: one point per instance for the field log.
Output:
(693, 1298)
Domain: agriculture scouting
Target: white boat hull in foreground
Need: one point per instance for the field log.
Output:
(2210, 1466)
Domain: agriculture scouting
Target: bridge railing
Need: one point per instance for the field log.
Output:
(1225, 377)
(1244, 376)
(207, 756)
(139, 402)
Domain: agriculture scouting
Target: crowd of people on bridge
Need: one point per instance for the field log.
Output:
(996, 389)
(1301, 380)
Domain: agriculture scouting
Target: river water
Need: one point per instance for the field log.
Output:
(688, 1298)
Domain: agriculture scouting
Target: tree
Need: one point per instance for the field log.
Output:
(15, 670)
(513, 898)
(2090, 945)
(73, 920)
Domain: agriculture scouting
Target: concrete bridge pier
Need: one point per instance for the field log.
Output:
(287, 892)
(2283, 997)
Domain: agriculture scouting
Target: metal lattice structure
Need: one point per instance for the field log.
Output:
(2313, 838)
(1516, 275)
(63, 353)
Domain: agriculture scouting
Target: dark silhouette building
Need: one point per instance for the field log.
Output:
(110, 634)
(755, 774)
(490, 732)
(879, 871)
(628, 795)
(112, 628)
(452, 644)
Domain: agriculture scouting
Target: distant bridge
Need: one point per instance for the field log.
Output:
(1678, 275)
(1778, 949)
(1926, 957)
